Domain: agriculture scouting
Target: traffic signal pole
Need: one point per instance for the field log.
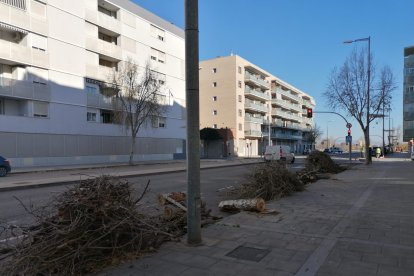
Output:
(348, 125)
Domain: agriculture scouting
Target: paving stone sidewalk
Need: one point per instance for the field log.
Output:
(359, 222)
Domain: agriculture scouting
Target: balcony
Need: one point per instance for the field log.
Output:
(280, 113)
(99, 101)
(287, 94)
(252, 133)
(251, 119)
(286, 136)
(409, 61)
(256, 94)
(100, 46)
(308, 103)
(24, 89)
(103, 20)
(23, 54)
(255, 80)
(250, 105)
(98, 72)
(287, 105)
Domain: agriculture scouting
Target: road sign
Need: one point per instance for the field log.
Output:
(348, 125)
(348, 139)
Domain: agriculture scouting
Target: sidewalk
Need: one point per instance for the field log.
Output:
(359, 222)
(22, 178)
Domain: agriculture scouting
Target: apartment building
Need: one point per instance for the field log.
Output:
(55, 60)
(257, 107)
(408, 98)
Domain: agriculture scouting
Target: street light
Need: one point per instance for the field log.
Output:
(369, 160)
(327, 135)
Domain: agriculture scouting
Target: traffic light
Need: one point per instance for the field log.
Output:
(309, 113)
(349, 132)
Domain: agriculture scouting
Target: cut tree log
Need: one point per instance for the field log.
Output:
(252, 204)
(169, 199)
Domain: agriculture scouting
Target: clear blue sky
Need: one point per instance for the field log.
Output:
(300, 41)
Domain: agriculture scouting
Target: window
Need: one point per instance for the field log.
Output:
(240, 98)
(107, 38)
(239, 70)
(214, 112)
(214, 70)
(91, 89)
(107, 12)
(40, 109)
(159, 122)
(214, 125)
(157, 33)
(107, 117)
(91, 116)
(39, 42)
(240, 127)
(157, 55)
(240, 113)
(214, 98)
(240, 84)
(214, 84)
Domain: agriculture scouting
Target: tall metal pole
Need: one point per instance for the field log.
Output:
(369, 159)
(193, 123)
(383, 123)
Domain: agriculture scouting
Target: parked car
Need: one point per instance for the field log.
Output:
(336, 150)
(327, 150)
(306, 151)
(279, 153)
(4, 166)
(412, 155)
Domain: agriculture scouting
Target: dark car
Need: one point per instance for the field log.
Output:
(4, 166)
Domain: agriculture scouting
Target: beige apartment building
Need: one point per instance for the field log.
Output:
(55, 61)
(258, 108)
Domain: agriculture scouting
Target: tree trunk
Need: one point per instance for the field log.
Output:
(254, 204)
(131, 153)
(368, 159)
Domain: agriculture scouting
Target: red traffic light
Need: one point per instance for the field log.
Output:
(349, 132)
(309, 113)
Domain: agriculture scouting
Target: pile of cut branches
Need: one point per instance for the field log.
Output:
(269, 181)
(321, 162)
(92, 225)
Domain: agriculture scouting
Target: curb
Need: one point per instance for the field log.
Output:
(165, 171)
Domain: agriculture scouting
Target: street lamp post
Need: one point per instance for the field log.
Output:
(369, 160)
(327, 134)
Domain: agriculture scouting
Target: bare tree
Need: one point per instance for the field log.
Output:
(138, 98)
(314, 134)
(347, 91)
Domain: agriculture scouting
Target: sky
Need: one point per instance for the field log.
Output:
(301, 42)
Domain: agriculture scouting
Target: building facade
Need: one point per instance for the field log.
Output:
(55, 59)
(408, 96)
(259, 108)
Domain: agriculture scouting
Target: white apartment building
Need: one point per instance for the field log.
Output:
(249, 101)
(55, 59)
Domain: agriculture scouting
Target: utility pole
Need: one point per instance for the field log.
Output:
(193, 123)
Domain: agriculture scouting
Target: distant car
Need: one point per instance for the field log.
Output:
(306, 151)
(4, 166)
(412, 155)
(327, 150)
(336, 150)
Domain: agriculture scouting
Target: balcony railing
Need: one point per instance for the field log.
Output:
(24, 89)
(256, 93)
(255, 106)
(252, 133)
(256, 80)
(99, 72)
(288, 94)
(103, 20)
(23, 54)
(99, 101)
(100, 46)
(288, 136)
(287, 105)
(253, 120)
